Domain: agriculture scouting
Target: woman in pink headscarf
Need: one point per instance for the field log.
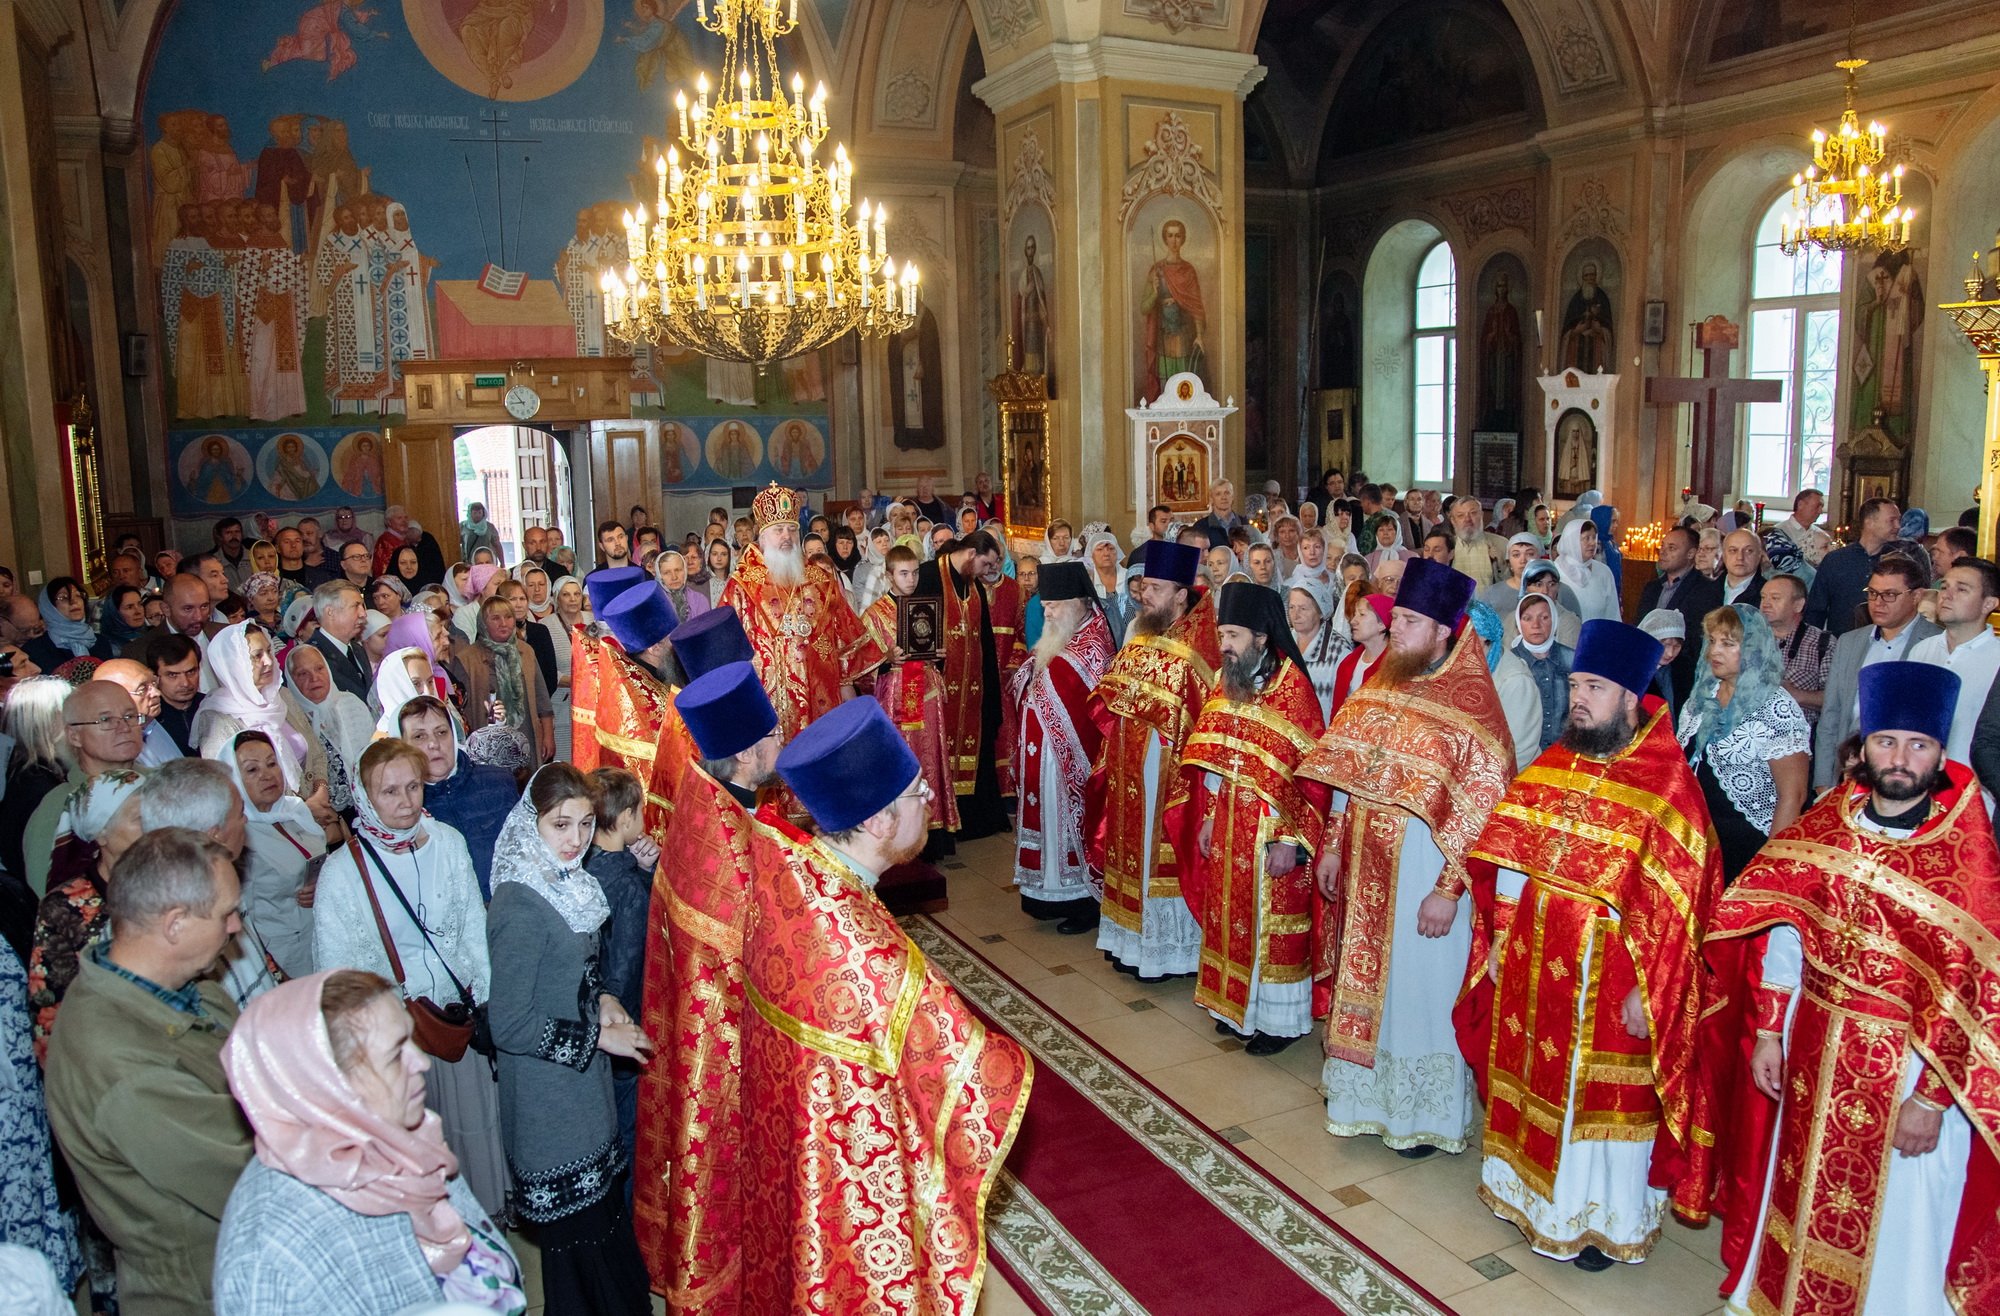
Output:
(353, 1204)
(481, 583)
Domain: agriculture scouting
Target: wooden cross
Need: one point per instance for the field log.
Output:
(1715, 395)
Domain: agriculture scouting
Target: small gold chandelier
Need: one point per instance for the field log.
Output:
(751, 253)
(1844, 201)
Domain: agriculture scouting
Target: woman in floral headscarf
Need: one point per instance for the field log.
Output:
(354, 1202)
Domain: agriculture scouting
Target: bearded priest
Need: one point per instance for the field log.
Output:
(1050, 696)
(686, 1182)
(1858, 951)
(877, 1107)
(1599, 860)
(811, 648)
(1417, 759)
(1249, 827)
(1145, 707)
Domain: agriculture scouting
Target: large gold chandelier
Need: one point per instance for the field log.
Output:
(751, 253)
(1845, 201)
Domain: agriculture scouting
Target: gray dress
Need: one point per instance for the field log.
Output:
(557, 1115)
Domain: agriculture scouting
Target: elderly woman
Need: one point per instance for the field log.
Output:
(1368, 624)
(1104, 563)
(1388, 545)
(500, 668)
(408, 874)
(38, 763)
(1309, 609)
(353, 1204)
(1746, 738)
(1708, 552)
(340, 720)
(556, 1030)
(248, 696)
(64, 607)
(671, 570)
(285, 839)
(71, 917)
(119, 624)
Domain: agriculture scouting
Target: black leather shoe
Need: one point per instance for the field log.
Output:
(1077, 924)
(1263, 1044)
(1415, 1153)
(1591, 1261)
(1226, 1028)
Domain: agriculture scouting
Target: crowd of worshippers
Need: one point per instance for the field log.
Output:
(330, 869)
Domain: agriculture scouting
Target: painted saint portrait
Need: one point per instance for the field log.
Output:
(1503, 292)
(1031, 257)
(1171, 255)
(507, 50)
(292, 467)
(1588, 341)
(734, 449)
(1888, 341)
(1576, 454)
(797, 449)
(1180, 474)
(916, 384)
(680, 452)
(215, 469)
(357, 464)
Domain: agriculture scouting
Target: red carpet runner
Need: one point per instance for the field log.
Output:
(1114, 1200)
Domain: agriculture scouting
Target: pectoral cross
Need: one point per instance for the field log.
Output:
(1712, 462)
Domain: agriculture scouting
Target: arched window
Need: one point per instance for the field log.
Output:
(1434, 338)
(1795, 339)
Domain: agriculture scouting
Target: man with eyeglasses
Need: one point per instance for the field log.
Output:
(1891, 594)
(104, 731)
(1844, 574)
(138, 681)
(355, 564)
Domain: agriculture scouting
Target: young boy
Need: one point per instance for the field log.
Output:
(912, 694)
(622, 859)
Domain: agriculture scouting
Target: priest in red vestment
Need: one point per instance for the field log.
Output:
(877, 1107)
(1598, 862)
(686, 1205)
(1145, 707)
(1417, 757)
(1857, 1034)
(1248, 826)
(637, 728)
(973, 693)
(811, 648)
(587, 659)
(1057, 742)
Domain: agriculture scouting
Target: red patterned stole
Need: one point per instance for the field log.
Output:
(1051, 709)
(637, 729)
(686, 1206)
(1155, 686)
(877, 1107)
(1632, 833)
(1249, 919)
(1436, 750)
(585, 653)
(964, 678)
(1902, 952)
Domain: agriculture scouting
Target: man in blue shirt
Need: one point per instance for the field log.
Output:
(1842, 581)
(474, 798)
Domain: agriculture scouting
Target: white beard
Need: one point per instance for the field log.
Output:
(1055, 637)
(786, 569)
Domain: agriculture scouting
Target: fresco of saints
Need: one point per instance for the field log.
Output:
(1031, 314)
(218, 478)
(198, 290)
(735, 457)
(284, 179)
(599, 244)
(353, 345)
(172, 158)
(271, 289)
(1889, 333)
(219, 175)
(406, 278)
(293, 477)
(1500, 360)
(322, 37)
(792, 454)
(495, 34)
(1175, 318)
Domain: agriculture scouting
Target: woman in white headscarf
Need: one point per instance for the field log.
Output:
(249, 696)
(1103, 561)
(1577, 562)
(567, 610)
(340, 720)
(285, 839)
(536, 581)
(401, 676)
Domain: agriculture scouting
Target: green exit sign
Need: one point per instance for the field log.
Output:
(489, 381)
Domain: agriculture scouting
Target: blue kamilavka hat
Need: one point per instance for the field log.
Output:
(726, 710)
(1434, 590)
(848, 766)
(1168, 560)
(1624, 655)
(606, 585)
(640, 617)
(710, 639)
(1912, 697)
